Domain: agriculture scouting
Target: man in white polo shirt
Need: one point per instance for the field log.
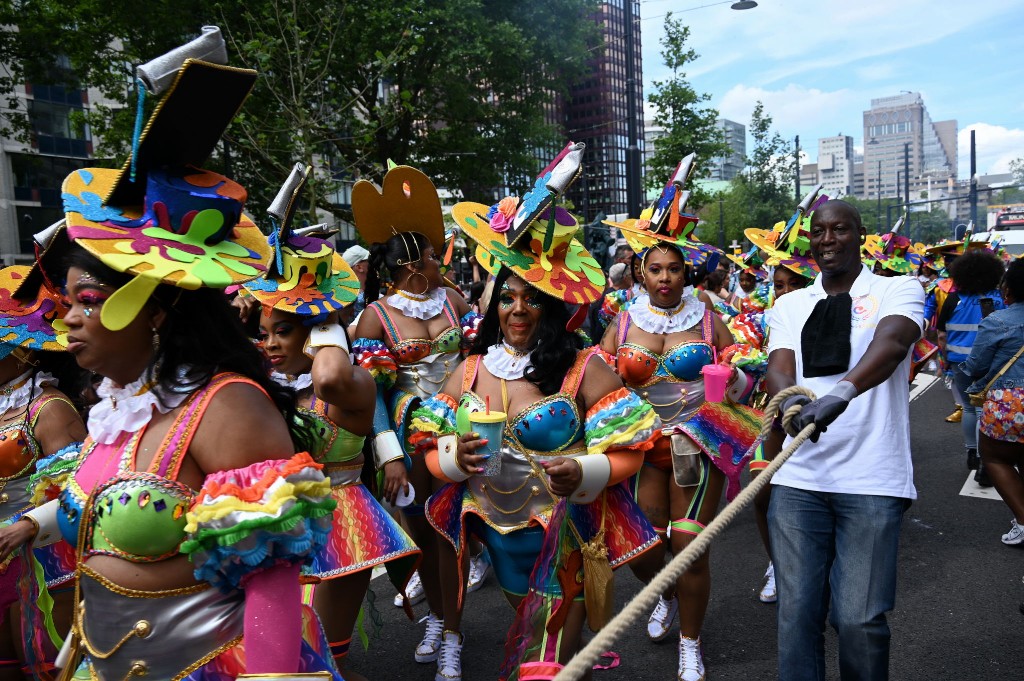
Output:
(838, 503)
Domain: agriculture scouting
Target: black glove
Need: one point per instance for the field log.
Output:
(791, 401)
(824, 410)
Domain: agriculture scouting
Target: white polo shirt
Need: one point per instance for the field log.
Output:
(867, 449)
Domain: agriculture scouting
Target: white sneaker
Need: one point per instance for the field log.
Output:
(659, 626)
(1015, 536)
(769, 594)
(449, 662)
(430, 646)
(691, 659)
(479, 566)
(413, 591)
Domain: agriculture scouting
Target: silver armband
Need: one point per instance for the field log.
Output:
(386, 448)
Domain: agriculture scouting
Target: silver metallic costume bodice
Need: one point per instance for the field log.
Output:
(516, 493)
(426, 377)
(15, 497)
(673, 401)
(158, 634)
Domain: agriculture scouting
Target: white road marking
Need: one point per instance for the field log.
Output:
(922, 382)
(973, 489)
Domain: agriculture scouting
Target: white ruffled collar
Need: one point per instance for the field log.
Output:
(296, 383)
(651, 319)
(128, 409)
(419, 306)
(16, 393)
(504, 361)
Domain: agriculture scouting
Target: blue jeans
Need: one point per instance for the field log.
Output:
(838, 548)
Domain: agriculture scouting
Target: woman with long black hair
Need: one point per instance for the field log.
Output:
(190, 511)
(571, 433)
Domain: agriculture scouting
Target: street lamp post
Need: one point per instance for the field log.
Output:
(878, 197)
(721, 224)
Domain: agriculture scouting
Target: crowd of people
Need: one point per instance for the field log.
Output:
(211, 437)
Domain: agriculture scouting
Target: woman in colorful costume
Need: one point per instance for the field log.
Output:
(789, 251)
(302, 297)
(41, 434)
(191, 513)
(659, 347)
(410, 342)
(571, 436)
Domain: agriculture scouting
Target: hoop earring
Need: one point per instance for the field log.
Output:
(425, 281)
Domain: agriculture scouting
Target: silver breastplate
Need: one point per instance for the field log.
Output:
(426, 377)
(174, 629)
(516, 493)
(14, 497)
(673, 401)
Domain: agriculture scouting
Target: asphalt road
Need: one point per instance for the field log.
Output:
(956, 613)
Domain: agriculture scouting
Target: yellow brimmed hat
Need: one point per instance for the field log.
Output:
(788, 244)
(307, 277)
(406, 201)
(546, 255)
(666, 220)
(161, 217)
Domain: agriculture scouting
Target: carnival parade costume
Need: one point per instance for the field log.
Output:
(535, 539)
(672, 381)
(28, 476)
(309, 279)
(406, 370)
(163, 221)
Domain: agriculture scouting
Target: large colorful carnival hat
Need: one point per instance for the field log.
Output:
(666, 221)
(750, 262)
(892, 250)
(28, 323)
(306, 277)
(948, 247)
(406, 201)
(546, 254)
(788, 244)
(161, 217)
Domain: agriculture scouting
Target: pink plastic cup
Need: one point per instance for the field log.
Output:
(716, 379)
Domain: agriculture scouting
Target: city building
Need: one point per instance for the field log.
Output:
(597, 112)
(31, 173)
(898, 133)
(731, 165)
(835, 165)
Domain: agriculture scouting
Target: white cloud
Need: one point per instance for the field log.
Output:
(793, 108)
(996, 147)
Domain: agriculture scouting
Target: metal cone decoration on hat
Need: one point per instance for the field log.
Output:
(667, 221)
(535, 237)
(307, 277)
(788, 244)
(161, 217)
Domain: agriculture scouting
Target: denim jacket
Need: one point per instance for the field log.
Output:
(1000, 336)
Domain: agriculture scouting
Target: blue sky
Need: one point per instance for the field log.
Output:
(817, 65)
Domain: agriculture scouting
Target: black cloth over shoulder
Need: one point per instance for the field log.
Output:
(825, 338)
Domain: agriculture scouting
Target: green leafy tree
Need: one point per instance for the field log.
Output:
(688, 121)
(458, 88)
(768, 181)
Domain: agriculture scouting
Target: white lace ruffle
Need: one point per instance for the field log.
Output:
(127, 409)
(426, 306)
(689, 312)
(504, 361)
(298, 383)
(20, 396)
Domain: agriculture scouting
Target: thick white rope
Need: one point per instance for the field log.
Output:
(584, 660)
